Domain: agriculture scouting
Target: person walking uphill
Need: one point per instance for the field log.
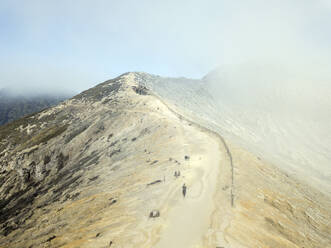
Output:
(184, 190)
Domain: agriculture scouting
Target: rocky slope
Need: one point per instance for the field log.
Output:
(106, 169)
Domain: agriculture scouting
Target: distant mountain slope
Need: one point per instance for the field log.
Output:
(13, 107)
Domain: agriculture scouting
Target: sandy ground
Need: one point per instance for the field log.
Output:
(188, 220)
(143, 142)
(270, 209)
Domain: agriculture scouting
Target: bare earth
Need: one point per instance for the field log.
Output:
(234, 199)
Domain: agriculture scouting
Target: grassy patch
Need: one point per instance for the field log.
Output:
(44, 136)
(11, 133)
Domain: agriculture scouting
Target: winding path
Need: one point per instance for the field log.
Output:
(212, 133)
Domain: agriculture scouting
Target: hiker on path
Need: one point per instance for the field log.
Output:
(184, 190)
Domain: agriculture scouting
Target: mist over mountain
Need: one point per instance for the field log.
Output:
(282, 111)
(14, 105)
(217, 136)
(270, 110)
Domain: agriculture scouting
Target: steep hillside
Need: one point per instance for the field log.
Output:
(282, 118)
(107, 168)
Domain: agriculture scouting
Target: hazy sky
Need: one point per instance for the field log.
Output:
(72, 45)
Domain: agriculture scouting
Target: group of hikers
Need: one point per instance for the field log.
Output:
(177, 174)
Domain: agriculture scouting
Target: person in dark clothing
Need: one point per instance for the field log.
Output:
(184, 190)
(177, 174)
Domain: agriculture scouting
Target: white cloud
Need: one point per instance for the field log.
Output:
(105, 38)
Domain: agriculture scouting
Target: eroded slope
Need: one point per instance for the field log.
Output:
(89, 172)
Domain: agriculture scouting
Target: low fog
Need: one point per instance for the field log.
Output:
(277, 112)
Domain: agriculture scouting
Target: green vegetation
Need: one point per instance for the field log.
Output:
(11, 131)
(44, 136)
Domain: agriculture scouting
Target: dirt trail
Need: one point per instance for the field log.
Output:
(189, 220)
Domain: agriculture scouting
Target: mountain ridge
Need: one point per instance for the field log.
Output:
(94, 170)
